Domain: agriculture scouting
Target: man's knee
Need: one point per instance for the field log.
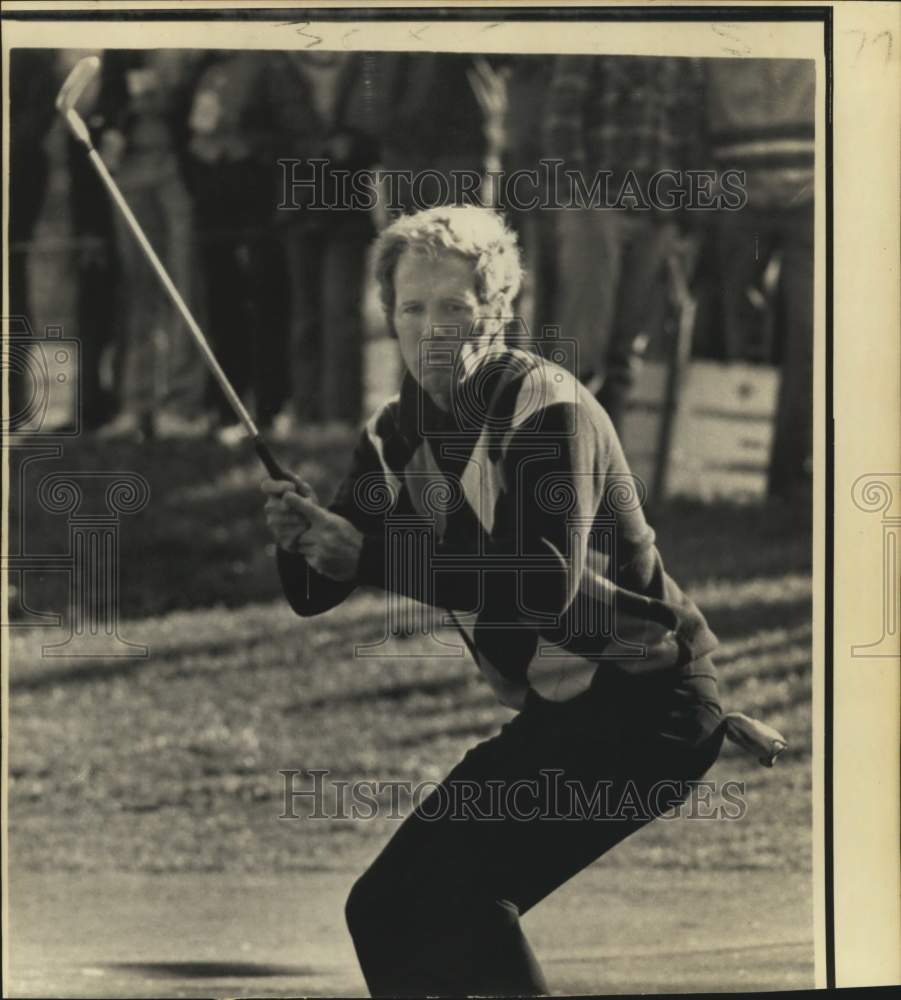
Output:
(373, 906)
(380, 906)
(362, 905)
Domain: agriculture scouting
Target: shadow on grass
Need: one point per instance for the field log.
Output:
(724, 540)
(211, 970)
(107, 668)
(767, 645)
(729, 624)
(389, 693)
(201, 540)
(754, 616)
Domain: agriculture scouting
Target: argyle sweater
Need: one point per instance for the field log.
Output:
(517, 515)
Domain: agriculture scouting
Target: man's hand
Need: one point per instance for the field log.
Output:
(330, 542)
(285, 523)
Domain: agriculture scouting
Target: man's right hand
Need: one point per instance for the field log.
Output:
(286, 524)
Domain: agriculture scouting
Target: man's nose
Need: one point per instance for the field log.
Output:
(441, 345)
(440, 328)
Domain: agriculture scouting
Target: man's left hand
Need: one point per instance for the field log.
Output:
(331, 544)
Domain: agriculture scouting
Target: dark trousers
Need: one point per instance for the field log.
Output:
(437, 913)
(97, 289)
(610, 265)
(745, 238)
(246, 284)
(160, 364)
(27, 187)
(327, 266)
(534, 305)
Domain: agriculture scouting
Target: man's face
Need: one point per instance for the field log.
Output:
(435, 305)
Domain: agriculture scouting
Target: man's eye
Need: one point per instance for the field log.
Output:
(411, 308)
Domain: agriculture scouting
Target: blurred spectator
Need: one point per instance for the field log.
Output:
(33, 84)
(323, 105)
(143, 117)
(436, 124)
(760, 116)
(97, 273)
(233, 179)
(527, 89)
(619, 114)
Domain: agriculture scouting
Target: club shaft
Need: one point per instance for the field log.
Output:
(233, 398)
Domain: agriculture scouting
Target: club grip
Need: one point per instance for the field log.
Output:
(269, 460)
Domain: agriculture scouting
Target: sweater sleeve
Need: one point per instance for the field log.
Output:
(553, 480)
(310, 592)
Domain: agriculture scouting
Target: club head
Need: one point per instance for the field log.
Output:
(81, 75)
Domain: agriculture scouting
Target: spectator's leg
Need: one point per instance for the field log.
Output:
(644, 249)
(304, 243)
(227, 315)
(142, 311)
(97, 281)
(545, 263)
(341, 336)
(218, 193)
(590, 258)
(268, 295)
(791, 455)
(523, 308)
(270, 307)
(96, 312)
(534, 305)
(707, 340)
(27, 187)
(187, 374)
(742, 242)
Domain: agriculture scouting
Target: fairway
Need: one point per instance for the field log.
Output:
(220, 935)
(147, 856)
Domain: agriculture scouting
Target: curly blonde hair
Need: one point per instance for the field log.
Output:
(477, 233)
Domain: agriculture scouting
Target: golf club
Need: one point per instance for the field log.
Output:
(71, 90)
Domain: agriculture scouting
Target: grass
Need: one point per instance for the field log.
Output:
(171, 763)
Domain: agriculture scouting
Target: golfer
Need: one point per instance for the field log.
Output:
(533, 541)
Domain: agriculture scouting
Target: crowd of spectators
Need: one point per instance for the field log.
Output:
(197, 141)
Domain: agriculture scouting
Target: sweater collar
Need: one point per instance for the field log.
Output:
(420, 418)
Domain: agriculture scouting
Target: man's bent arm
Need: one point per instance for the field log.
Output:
(308, 591)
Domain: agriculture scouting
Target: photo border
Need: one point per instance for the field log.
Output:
(823, 14)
